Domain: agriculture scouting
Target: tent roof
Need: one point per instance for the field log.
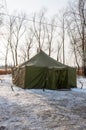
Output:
(43, 60)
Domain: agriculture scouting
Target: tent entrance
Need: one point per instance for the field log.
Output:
(61, 79)
(57, 79)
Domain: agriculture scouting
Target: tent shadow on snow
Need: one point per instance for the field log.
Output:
(43, 72)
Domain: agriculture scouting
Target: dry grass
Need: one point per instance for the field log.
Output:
(80, 72)
(3, 71)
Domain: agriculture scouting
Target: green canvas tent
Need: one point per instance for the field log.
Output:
(42, 71)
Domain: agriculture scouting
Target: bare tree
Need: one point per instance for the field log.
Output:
(61, 35)
(10, 26)
(19, 30)
(59, 50)
(50, 34)
(73, 40)
(82, 13)
(2, 11)
(28, 44)
(15, 29)
(6, 46)
(39, 28)
(77, 20)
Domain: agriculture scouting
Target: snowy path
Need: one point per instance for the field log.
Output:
(38, 110)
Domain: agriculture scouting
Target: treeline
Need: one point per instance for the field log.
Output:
(63, 35)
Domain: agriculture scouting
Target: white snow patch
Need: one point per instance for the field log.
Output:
(37, 110)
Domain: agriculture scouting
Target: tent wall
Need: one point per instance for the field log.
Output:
(72, 77)
(62, 82)
(18, 76)
(35, 77)
(41, 77)
(57, 78)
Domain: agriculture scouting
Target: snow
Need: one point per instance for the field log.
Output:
(37, 110)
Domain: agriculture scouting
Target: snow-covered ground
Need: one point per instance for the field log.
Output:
(37, 110)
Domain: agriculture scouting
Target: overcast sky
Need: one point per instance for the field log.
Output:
(30, 6)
